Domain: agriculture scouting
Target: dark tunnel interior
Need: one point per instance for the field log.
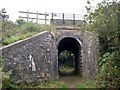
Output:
(72, 45)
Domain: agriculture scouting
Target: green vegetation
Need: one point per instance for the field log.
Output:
(1, 61)
(66, 61)
(4, 77)
(87, 84)
(105, 20)
(47, 84)
(12, 32)
(62, 82)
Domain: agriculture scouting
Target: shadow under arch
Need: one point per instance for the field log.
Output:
(73, 45)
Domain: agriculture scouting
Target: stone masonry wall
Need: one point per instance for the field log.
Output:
(32, 60)
(90, 55)
(60, 22)
(89, 50)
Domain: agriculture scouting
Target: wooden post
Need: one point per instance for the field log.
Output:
(27, 15)
(45, 18)
(37, 17)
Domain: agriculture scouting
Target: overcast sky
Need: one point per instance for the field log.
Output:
(57, 6)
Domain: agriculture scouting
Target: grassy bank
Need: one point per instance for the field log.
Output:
(12, 32)
(63, 82)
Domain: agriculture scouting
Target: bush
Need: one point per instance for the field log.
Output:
(105, 20)
(66, 58)
(109, 69)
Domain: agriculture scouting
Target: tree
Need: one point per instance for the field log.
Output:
(3, 15)
(105, 20)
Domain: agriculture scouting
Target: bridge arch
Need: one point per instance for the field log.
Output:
(73, 45)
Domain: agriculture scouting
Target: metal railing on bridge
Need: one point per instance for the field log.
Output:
(66, 19)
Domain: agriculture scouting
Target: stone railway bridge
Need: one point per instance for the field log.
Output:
(35, 59)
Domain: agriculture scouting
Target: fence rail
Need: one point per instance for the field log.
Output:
(37, 16)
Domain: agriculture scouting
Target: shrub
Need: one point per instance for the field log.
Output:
(110, 70)
(106, 21)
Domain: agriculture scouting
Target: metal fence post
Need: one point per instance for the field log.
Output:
(51, 19)
(73, 19)
(27, 15)
(63, 18)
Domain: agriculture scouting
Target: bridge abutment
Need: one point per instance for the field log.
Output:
(32, 60)
(35, 59)
(87, 53)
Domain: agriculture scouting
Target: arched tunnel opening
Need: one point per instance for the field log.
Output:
(69, 56)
